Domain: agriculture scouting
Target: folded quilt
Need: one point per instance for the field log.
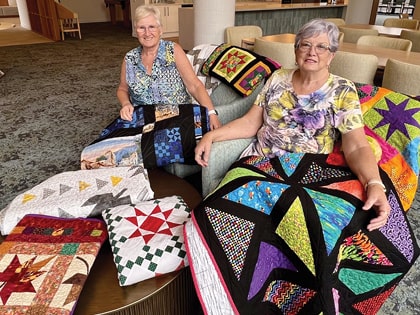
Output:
(288, 236)
(44, 263)
(158, 135)
(82, 193)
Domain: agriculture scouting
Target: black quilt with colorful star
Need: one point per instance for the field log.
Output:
(288, 236)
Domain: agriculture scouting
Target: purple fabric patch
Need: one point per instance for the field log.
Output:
(396, 230)
(269, 258)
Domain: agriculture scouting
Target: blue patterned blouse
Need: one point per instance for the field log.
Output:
(163, 86)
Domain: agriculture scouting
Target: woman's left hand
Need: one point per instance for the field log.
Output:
(377, 200)
(214, 122)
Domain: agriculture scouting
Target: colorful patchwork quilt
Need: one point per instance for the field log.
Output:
(288, 236)
(158, 135)
(44, 263)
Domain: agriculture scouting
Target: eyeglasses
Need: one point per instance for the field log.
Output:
(150, 28)
(319, 48)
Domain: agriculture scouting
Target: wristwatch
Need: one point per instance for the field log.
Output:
(213, 112)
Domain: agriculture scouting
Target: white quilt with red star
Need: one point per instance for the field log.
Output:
(147, 238)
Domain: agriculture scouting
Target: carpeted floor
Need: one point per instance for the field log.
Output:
(55, 98)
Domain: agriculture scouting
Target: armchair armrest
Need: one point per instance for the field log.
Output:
(222, 155)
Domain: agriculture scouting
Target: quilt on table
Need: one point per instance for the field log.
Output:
(158, 135)
(44, 263)
(147, 239)
(288, 236)
(82, 193)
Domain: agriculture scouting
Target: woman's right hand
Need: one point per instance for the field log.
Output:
(202, 150)
(126, 112)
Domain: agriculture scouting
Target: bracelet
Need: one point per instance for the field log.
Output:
(212, 112)
(375, 182)
(125, 104)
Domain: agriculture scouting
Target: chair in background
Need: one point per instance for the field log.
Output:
(403, 23)
(359, 68)
(402, 77)
(68, 21)
(336, 21)
(414, 36)
(409, 7)
(386, 42)
(235, 34)
(385, 6)
(283, 53)
(351, 35)
(340, 38)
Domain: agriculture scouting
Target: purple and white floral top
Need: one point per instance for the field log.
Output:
(304, 123)
(163, 86)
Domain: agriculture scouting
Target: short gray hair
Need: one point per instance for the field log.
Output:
(316, 27)
(146, 10)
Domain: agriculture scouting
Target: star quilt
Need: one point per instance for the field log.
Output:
(44, 263)
(287, 235)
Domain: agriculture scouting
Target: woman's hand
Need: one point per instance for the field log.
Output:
(377, 200)
(126, 112)
(202, 150)
(214, 122)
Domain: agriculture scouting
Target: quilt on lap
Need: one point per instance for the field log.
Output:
(288, 236)
(157, 136)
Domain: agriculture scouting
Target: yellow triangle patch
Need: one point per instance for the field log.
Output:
(116, 180)
(83, 185)
(28, 197)
(295, 233)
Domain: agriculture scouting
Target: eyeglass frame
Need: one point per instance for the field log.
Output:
(309, 46)
(150, 28)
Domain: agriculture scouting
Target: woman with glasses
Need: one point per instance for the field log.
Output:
(307, 110)
(301, 223)
(158, 71)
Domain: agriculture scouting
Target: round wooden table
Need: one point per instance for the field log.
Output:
(168, 294)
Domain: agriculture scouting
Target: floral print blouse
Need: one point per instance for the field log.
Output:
(163, 86)
(304, 123)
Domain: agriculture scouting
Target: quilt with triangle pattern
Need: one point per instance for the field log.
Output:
(45, 261)
(288, 236)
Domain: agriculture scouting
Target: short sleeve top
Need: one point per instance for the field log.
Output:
(163, 86)
(304, 123)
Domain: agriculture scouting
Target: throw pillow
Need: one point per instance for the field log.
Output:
(157, 136)
(392, 123)
(45, 262)
(239, 68)
(147, 238)
(82, 193)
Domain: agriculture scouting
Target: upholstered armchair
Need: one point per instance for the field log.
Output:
(229, 106)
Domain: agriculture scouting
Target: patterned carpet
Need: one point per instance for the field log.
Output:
(55, 98)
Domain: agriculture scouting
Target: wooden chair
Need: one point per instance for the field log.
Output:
(351, 35)
(235, 34)
(402, 77)
(359, 68)
(283, 53)
(385, 6)
(403, 23)
(386, 42)
(68, 20)
(414, 36)
(336, 21)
